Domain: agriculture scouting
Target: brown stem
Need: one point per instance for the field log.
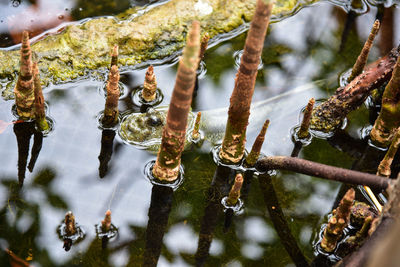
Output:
(149, 85)
(24, 93)
(389, 118)
(233, 145)
(329, 115)
(321, 170)
(363, 57)
(69, 221)
(387, 34)
(252, 158)
(173, 137)
(204, 45)
(111, 112)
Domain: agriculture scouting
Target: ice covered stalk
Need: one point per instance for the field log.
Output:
(149, 85)
(173, 137)
(106, 223)
(195, 133)
(363, 57)
(40, 115)
(110, 117)
(233, 145)
(305, 124)
(337, 223)
(389, 118)
(70, 228)
(384, 166)
(24, 93)
(114, 56)
(252, 158)
(234, 194)
(329, 115)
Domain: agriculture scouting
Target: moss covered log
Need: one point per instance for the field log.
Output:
(142, 35)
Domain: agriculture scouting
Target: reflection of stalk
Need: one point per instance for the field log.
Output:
(37, 146)
(279, 221)
(219, 188)
(107, 140)
(173, 137)
(160, 207)
(233, 145)
(23, 133)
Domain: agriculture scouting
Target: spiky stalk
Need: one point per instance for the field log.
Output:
(106, 223)
(234, 194)
(252, 157)
(111, 112)
(338, 222)
(384, 165)
(24, 93)
(233, 145)
(305, 124)
(114, 56)
(363, 57)
(149, 85)
(173, 137)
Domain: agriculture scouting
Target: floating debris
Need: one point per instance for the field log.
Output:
(110, 117)
(233, 145)
(40, 115)
(24, 91)
(149, 85)
(305, 124)
(336, 224)
(363, 57)
(173, 138)
(252, 157)
(384, 166)
(389, 117)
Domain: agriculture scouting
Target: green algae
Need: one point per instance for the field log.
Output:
(143, 34)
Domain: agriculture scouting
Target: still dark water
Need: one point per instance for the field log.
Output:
(298, 50)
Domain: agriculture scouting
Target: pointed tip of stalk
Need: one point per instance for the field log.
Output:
(252, 157)
(108, 213)
(363, 57)
(350, 195)
(114, 56)
(384, 168)
(149, 91)
(26, 56)
(191, 52)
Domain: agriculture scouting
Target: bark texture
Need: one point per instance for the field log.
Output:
(149, 85)
(168, 160)
(24, 92)
(330, 114)
(111, 112)
(233, 145)
(40, 115)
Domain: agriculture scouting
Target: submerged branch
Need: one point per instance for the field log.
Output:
(321, 170)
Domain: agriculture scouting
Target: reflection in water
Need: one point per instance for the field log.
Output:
(160, 208)
(23, 133)
(107, 144)
(218, 189)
